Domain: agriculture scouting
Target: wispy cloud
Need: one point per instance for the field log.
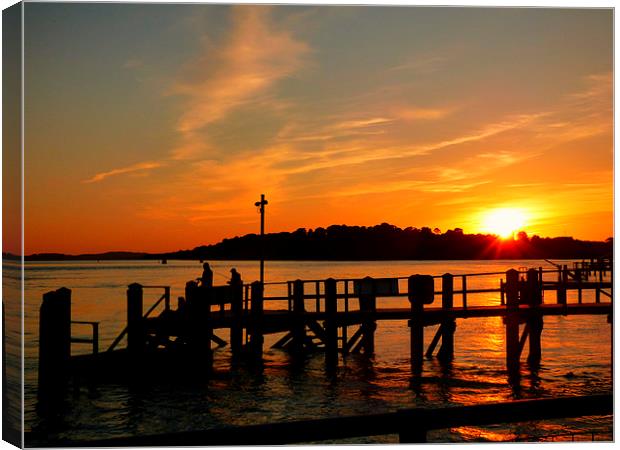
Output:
(426, 64)
(139, 167)
(360, 123)
(256, 55)
(133, 64)
(417, 113)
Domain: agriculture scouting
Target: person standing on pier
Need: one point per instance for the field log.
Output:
(235, 277)
(207, 276)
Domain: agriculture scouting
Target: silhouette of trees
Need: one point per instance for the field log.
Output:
(386, 241)
(379, 242)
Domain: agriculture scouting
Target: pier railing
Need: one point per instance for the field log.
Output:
(93, 340)
(314, 288)
(411, 425)
(165, 298)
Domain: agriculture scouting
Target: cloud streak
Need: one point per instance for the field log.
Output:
(139, 167)
(256, 56)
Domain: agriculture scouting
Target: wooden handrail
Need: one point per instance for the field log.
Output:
(165, 296)
(95, 333)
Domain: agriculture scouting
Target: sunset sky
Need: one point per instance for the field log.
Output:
(157, 127)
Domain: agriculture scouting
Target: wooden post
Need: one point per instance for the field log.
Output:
(236, 327)
(256, 339)
(167, 298)
(331, 326)
(512, 323)
(535, 320)
(54, 342)
(368, 308)
(298, 324)
(464, 286)
(420, 291)
(136, 335)
(446, 351)
(199, 324)
(561, 292)
(345, 337)
(502, 291)
(95, 338)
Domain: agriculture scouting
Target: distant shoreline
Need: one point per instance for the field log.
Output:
(71, 258)
(382, 242)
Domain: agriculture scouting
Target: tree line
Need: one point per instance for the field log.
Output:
(386, 241)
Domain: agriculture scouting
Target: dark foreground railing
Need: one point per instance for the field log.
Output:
(410, 424)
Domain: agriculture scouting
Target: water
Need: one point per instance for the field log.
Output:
(576, 359)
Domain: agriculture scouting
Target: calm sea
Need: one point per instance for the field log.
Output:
(576, 359)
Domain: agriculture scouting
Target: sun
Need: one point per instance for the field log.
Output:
(504, 222)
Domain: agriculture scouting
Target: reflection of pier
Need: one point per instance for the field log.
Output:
(336, 317)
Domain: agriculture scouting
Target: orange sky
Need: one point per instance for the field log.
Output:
(157, 127)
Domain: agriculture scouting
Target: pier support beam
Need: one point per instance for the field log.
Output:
(331, 326)
(512, 323)
(562, 280)
(54, 342)
(236, 328)
(448, 325)
(256, 334)
(535, 320)
(298, 324)
(420, 291)
(199, 324)
(368, 308)
(136, 336)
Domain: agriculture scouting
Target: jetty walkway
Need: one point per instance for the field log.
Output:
(334, 316)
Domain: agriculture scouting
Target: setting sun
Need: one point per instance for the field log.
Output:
(504, 222)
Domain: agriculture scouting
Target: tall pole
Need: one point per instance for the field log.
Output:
(262, 204)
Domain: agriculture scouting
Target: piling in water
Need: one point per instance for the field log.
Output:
(256, 320)
(298, 324)
(368, 308)
(535, 320)
(331, 326)
(420, 291)
(448, 325)
(512, 323)
(136, 335)
(54, 342)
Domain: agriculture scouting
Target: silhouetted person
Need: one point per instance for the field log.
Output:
(235, 277)
(207, 276)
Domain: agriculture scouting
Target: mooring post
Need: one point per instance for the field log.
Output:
(136, 335)
(561, 292)
(236, 327)
(448, 324)
(331, 326)
(54, 342)
(535, 319)
(200, 328)
(204, 326)
(420, 291)
(368, 308)
(256, 337)
(512, 322)
(298, 324)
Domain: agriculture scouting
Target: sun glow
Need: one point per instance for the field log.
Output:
(504, 222)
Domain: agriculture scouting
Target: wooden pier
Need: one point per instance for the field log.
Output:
(334, 316)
